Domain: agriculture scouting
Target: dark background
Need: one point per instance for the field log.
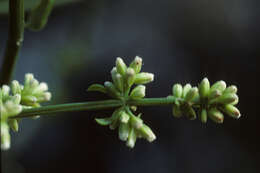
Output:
(180, 41)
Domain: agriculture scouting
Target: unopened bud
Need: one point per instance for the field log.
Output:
(123, 131)
(5, 137)
(121, 66)
(225, 99)
(28, 78)
(124, 117)
(138, 92)
(204, 88)
(232, 111)
(215, 115)
(177, 90)
(130, 76)
(203, 116)
(16, 88)
(16, 99)
(136, 122)
(136, 64)
(131, 138)
(144, 78)
(231, 89)
(5, 90)
(214, 94)
(115, 123)
(111, 89)
(12, 109)
(220, 85)
(117, 79)
(185, 90)
(147, 133)
(191, 94)
(42, 87)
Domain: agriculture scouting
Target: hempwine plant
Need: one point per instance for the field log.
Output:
(126, 89)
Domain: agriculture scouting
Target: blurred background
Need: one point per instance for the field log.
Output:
(180, 42)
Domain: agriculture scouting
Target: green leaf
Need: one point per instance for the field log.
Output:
(103, 121)
(97, 87)
(28, 4)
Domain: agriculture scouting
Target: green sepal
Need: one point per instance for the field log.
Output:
(97, 87)
(104, 121)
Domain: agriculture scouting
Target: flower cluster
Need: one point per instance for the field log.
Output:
(130, 126)
(26, 96)
(210, 101)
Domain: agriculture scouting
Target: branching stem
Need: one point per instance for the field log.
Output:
(93, 105)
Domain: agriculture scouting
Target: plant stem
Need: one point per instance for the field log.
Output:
(15, 39)
(93, 105)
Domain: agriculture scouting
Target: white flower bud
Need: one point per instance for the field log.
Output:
(143, 78)
(177, 90)
(215, 115)
(123, 131)
(16, 87)
(147, 133)
(138, 92)
(185, 90)
(204, 88)
(5, 137)
(131, 138)
(136, 64)
(120, 66)
(130, 77)
(220, 85)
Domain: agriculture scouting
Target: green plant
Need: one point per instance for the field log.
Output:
(127, 92)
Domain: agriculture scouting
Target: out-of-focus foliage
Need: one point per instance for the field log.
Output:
(30, 4)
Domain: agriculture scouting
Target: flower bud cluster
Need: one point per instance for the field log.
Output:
(26, 96)
(210, 101)
(130, 127)
(123, 78)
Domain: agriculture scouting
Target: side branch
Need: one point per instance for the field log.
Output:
(15, 39)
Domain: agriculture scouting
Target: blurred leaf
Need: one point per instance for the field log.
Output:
(31, 3)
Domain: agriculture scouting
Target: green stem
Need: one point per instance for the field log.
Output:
(15, 39)
(93, 105)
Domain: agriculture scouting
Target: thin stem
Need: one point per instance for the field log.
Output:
(93, 105)
(15, 39)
